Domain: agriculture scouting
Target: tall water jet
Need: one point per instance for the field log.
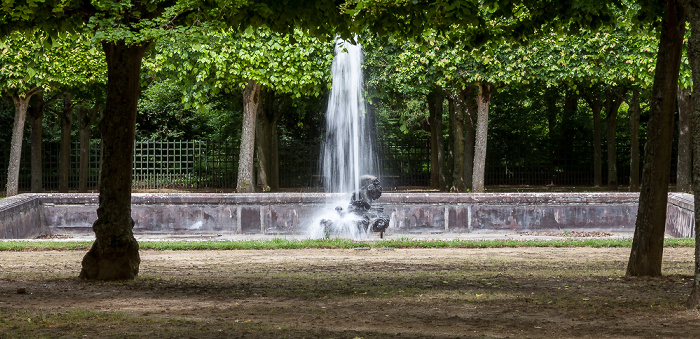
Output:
(348, 150)
(348, 158)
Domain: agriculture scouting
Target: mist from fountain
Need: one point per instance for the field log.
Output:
(348, 151)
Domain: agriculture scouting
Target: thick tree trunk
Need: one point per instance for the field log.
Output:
(685, 140)
(647, 246)
(693, 7)
(36, 117)
(115, 253)
(21, 105)
(612, 105)
(482, 127)
(437, 177)
(64, 154)
(634, 140)
(85, 120)
(266, 139)
(246, 167)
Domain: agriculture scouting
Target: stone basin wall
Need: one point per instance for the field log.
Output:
(29, 215)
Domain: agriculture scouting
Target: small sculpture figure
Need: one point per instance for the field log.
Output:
(371, 219)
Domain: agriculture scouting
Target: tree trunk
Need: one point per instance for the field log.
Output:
(266, 139)
(612, 105)
(85, 119)
(21, 105)
(634, 140)
(64, 155)
(437, 177)
(647, 245)
(482, 127)
(36, 117)
(693, 7)
(246, 166)
(115, 253)
(685, 140)
(596, 106)
(458, 142)
(471, 108)
(567, 131)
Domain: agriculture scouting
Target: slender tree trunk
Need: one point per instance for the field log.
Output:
(471, 108)
(634, 140)
(266, 138)
(115, 253)
(685, 139)
(86, 118)
(647, 246)
(21, 105)
(36, 117)
(612, 105)
(693, 7)
(246, 166)
(437, 177)
(596, 106)
(551, 97)
(64, 155)
(449, 163)
(482, 127)
(458, 142)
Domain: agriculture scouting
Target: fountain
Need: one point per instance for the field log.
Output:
(348, 154)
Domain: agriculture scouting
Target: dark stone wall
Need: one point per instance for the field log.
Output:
(20, 217)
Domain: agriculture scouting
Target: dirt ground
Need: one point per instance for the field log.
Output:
(377, 293)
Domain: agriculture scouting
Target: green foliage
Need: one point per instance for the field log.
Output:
(162, 115)
(28, 63)
(223, 61)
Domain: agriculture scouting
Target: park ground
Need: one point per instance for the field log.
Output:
(522, 292)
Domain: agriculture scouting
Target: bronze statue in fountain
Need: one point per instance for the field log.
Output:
(371, 218)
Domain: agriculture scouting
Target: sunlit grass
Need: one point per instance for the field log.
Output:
(279, 243)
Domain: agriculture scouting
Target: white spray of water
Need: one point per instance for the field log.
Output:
(348, 151)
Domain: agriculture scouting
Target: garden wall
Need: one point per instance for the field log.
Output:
(29, 215)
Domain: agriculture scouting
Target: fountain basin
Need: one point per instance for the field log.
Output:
(32, 215)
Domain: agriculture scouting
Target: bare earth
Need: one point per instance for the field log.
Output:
(484, 293)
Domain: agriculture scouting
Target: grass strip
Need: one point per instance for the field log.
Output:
(279, 243)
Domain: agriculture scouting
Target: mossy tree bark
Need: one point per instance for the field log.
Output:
(647, 245)
(246, 166)
(21, 106)
(115, 253)
(481, 140)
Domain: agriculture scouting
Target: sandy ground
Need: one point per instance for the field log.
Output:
(377, 293)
